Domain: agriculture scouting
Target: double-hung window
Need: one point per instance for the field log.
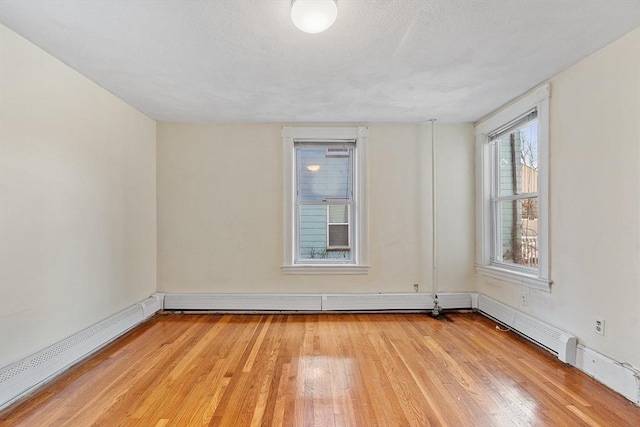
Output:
(325, 201)
(512, 187)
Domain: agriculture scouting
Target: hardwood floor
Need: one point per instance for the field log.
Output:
(322, 370)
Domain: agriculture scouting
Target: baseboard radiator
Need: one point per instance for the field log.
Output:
(560, 343)
(315, 302)
(242, 302)
(21, 377)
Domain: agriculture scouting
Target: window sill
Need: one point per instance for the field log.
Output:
(515, 277)
(336, 269)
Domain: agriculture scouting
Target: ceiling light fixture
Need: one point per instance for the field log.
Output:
(313, 16)
(313, 168)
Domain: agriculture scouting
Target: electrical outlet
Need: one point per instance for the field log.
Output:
(524, 299)
(415, 287)
(598, 326)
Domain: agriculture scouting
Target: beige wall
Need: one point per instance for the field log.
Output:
(456, 208)
(595, 203)
(220, 210)
(77, 201)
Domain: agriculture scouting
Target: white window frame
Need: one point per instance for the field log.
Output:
(359, 215)
(539, 278)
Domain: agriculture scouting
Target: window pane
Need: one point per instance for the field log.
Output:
(518, 161)
(312, 236)
(322, 176)
(518, 231)
(338, 235)
(339, 214)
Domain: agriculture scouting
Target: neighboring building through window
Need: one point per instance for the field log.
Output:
(325, 201)
(512, 208)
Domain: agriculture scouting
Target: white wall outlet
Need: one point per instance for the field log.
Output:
(524, 298)
(415, 287)
(598, 326)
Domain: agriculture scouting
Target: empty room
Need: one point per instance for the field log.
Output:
(320, 213)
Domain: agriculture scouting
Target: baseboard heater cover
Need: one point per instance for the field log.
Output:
(151, 306)
(393, 301)
(21, 377)
(560, 343)
(366, 302)
(315, 302)
(455, 300)
(243, 302)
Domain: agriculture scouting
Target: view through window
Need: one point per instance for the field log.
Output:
(324, 199)
(515, 202)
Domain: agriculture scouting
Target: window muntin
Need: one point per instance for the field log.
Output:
(515, 195)
(324, 200)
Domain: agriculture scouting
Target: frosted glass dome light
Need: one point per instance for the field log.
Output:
(313, 16)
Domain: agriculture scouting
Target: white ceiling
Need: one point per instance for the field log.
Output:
(382, 61)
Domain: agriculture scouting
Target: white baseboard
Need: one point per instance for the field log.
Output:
(21, 377)
(619, 377)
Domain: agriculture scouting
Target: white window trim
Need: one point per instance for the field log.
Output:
(539, 278)
(361, 227)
